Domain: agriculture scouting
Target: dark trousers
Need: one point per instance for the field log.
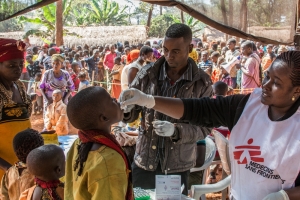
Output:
(234, 84)
(146, 179)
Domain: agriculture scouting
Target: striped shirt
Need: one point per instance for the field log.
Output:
(169, 89)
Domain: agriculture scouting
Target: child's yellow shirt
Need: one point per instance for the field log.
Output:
(103, 177)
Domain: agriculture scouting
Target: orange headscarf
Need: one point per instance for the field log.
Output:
(133, 55)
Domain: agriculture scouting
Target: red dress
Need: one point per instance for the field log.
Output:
(76, 82)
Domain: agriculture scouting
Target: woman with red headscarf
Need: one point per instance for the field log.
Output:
(15, 104)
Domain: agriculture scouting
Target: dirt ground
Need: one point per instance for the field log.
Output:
(38, 124)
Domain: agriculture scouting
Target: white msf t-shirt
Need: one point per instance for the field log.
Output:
(264, 154)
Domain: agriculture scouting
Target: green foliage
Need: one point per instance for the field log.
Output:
(160, 24)
(46, 20)
(80, 17)
(106, 12)
(9, 7)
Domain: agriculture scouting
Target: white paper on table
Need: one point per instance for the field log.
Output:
(168, 187)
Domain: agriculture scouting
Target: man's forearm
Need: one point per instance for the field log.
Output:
(172, 107)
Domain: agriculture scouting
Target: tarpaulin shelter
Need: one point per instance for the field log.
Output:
(249, 19)
(268, 21)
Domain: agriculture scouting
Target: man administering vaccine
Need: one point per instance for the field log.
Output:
(166, 145)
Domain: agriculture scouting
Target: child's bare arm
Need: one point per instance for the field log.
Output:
(4, 165)
(114, 73)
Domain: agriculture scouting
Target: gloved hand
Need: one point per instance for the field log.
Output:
(135, 97)
(164, 128)
(281, 195)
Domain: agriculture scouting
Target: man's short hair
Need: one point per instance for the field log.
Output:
(232, 40)
(248, 44)
(180, 30)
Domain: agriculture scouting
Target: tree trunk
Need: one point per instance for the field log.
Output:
(223, 9)
(160, 10)
(182, 17)
(59, 23)
(230, 13)
(241, 15)
(245, 17)
(150, 16)
(181, 14)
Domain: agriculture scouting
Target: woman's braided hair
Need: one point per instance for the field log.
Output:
(292, 60)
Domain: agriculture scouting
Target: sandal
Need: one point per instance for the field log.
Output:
(211, 179)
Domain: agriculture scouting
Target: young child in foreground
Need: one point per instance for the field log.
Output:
(17, 178)
(96, 167)
(47, 164)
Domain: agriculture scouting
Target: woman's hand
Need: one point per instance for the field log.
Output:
(135, 97)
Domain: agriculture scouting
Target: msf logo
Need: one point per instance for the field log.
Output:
(246, 153)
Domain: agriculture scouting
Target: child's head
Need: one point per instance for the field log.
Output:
(57, 95)
(29, 59)
(38, 77)
(76, 56)
(67, 64)
(75, 67)
(220, 61)
(93, 108)
(96, 53)
(220, 88)
(82, 76)
(25, 141)
(270, 48)
(117, 61)
(47, 162)
(214, 56)
(86, 52)
(127, 50)
(204, 56)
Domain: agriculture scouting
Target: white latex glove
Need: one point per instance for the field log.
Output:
(281, 195)
(163, 128)
(135, 97)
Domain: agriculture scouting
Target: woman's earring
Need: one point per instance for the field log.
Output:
(293, 99)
